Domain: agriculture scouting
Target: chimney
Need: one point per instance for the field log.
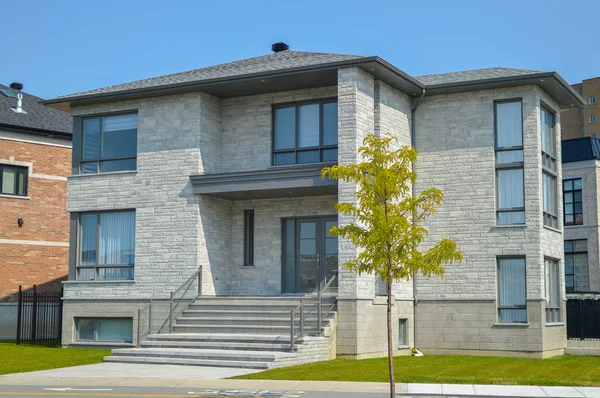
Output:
(18, 87)
(279, 46)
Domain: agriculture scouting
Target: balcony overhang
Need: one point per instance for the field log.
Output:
(275, 182)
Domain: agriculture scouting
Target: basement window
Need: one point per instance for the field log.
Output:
(110, 330)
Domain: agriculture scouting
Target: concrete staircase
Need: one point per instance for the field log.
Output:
(241, 332)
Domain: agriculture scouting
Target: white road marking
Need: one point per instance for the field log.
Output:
(78, 389)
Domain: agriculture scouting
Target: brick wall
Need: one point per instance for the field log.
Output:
(37, 252)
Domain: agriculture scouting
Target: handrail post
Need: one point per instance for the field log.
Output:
(150, 317)
(139, 326)
(301, 318)
(171, 314)
(292, 330)
(319, 310)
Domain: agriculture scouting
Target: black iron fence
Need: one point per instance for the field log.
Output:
(583, 319)
(39, 317)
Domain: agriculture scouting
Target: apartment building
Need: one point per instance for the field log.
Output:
(205, 186)
(581, 121)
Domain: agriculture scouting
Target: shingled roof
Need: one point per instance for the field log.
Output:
(473, 75)
(265, 63)
(39, 118)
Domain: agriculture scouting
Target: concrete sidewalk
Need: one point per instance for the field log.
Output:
(172, 376)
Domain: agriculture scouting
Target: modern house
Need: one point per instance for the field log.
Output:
(35, 158)
(205, 186)
(581, 170)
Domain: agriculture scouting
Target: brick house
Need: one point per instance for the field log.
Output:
(215, 172)
(35, 156)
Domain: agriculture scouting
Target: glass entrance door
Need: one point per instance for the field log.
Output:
(310, 254)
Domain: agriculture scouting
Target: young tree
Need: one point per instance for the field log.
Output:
(388, 221)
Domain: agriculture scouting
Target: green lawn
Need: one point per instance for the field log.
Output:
(560, 371)
(24, 358)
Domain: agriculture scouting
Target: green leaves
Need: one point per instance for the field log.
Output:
(387, 218)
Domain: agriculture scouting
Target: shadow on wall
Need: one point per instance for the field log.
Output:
(51, 286)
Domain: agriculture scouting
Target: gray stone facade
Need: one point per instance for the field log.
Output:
(178, 232)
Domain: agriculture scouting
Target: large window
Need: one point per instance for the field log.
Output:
(106, 245)
(552, 291)
(512, 296)
(573, 201)
(113, 330)
(13, 180)
(510, 188)
(109, 143)
(305, 133)
(577, 276)
(549, 173)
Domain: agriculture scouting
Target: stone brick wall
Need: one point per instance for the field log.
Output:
(588, 172)
(247, 126)
(37, 252)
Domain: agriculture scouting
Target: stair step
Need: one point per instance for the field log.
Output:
(223, 345)
(221, 337)
(249, 313)
(188, 361)
(250, 322)
(212, 354)
(266, 329)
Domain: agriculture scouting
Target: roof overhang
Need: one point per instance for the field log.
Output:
(276, 182)
(36, 131)
(550, 82)
(304, 77)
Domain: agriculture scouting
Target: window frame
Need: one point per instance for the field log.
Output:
(549, 219)
(499, 297)
(572, 254)
(553, 314)
(593, 118)
(402, 332)
(249, 238)
(95, 321)
(592, 100)
(297, 149)
(97, 265)
(575, 213)
(508, 166)
(18, 170)
(99, 160)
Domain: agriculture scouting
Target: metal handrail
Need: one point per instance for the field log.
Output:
(140, 335)
(292, 324)
(320, 299)
(171, 298)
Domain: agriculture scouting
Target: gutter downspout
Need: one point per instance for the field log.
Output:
(412, 141)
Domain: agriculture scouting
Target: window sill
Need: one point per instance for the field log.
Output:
(100, 344)
(577, 226)
(108, 173)
(3, 195)
(403, 347)
(553, 229)
(247, 266)
(107, 281)
(552, 324)
(503, 226)
(510, 325)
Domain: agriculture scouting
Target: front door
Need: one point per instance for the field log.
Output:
(310, 254)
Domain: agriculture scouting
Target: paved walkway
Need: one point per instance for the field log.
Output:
(116, 374)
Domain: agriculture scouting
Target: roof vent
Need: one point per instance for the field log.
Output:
(18, 87)
(280, 46)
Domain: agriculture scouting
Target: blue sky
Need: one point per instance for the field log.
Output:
(60, 47)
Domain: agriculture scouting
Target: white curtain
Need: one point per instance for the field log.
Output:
(512, 291)
(509, 124)
(510, 189)
(117, 238)
(8, 180)
(551, 284)
(550, 200)
(89, 223)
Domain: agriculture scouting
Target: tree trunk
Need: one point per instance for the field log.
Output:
(390, 338)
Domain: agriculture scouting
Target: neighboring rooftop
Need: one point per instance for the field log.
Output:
(38, 118)
(579, 149)
(473, 75)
